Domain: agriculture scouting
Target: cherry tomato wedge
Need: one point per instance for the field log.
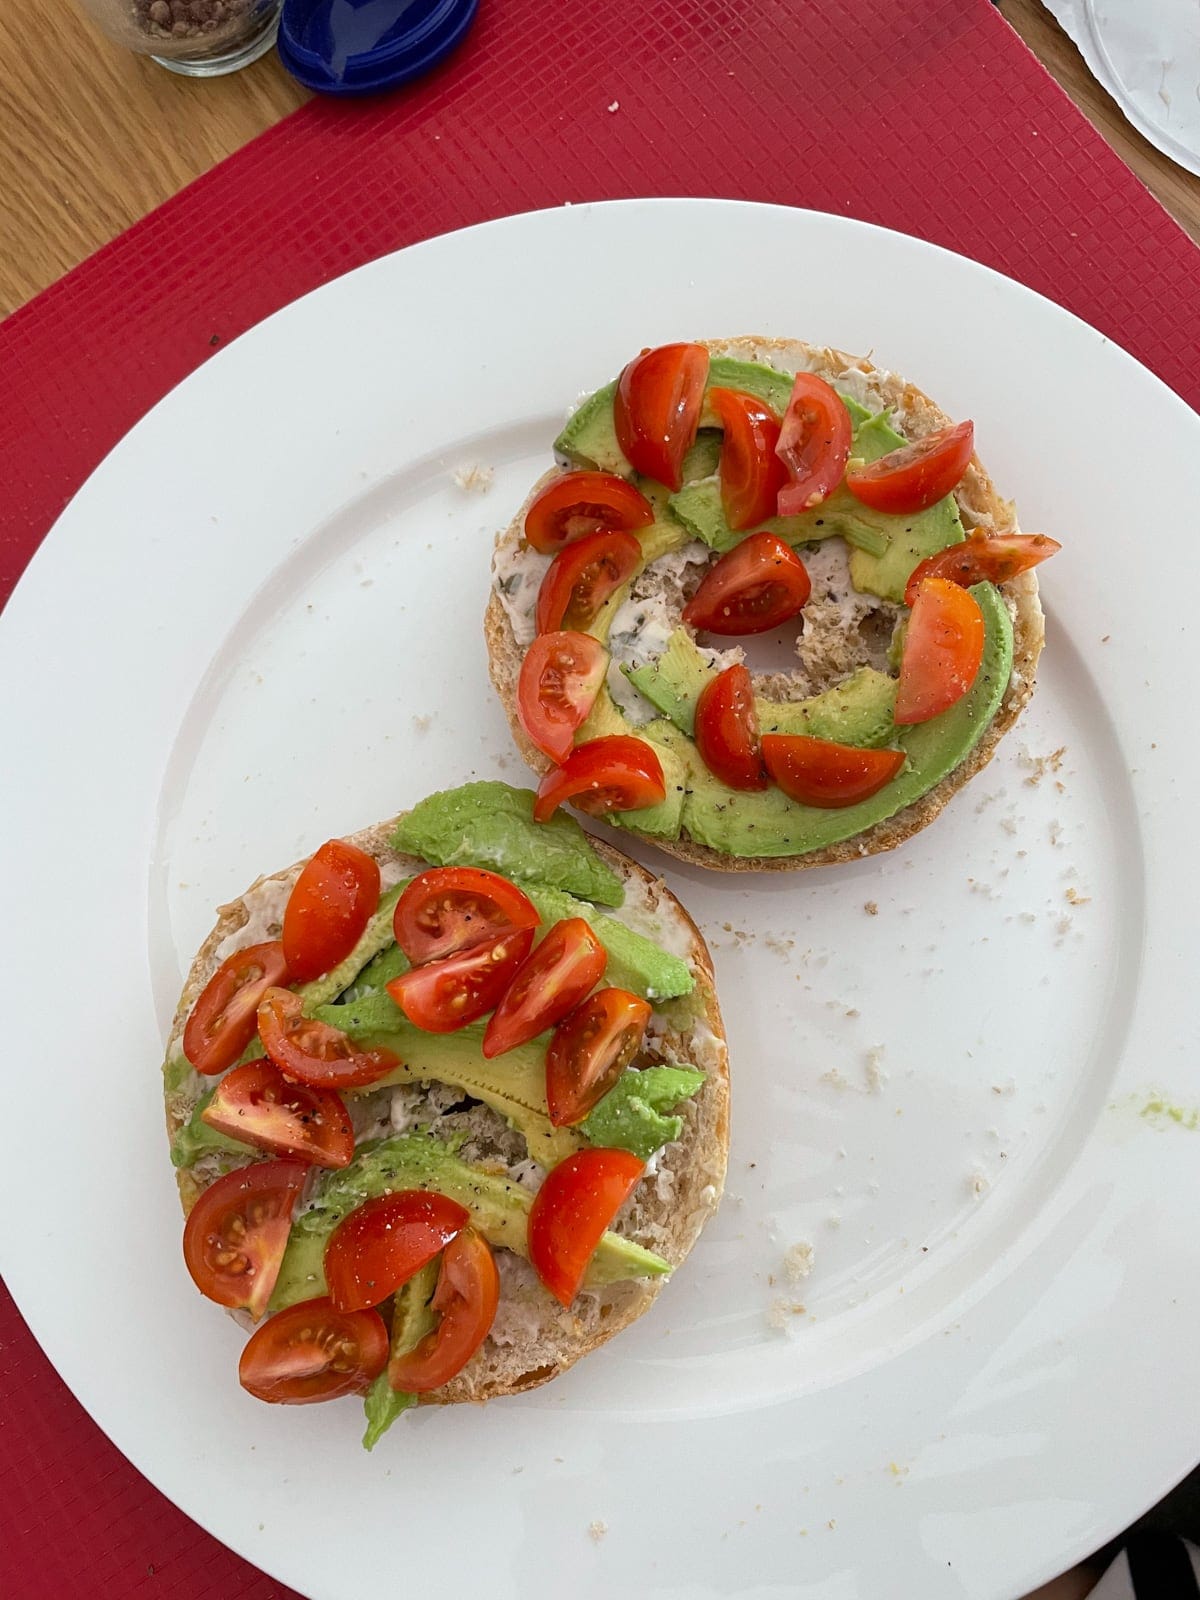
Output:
(916, 475)
(983, 558)
(753, 588)
(559, 681)
(656, 409)
(443, 996)
(571, 1211)
(256, 1103)
(727, 730)
(466, 1297)
(237, 1231)
(580, 503)
(751, 473)
(569, 962)
(582, 577)
(313, 1352)
(311, 1052)
(590, 1050)
(817, 772)
(222, 1022)
(335, 896)
(449, 909)
(385, 1241)
(616, 773)
(814, 444)
(943, 646)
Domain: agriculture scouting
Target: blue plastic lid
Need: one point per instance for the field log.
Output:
(363, 46)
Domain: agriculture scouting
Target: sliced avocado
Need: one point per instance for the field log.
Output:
(769, 824)
(634, 962)
(499, 1209)
(195, 1138)
(858, 711)
(514, 1084)
(631, 1115)
(665, 818)
(377, 974)
(698, 507)
(490, 824)
(412, 1319)
(910, 539)
(673, 681)
(589, 438)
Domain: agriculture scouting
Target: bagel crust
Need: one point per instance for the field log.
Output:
(980, 507)
(534, 1338)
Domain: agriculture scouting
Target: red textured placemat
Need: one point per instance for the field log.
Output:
(926, 115)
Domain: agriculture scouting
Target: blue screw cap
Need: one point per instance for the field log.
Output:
(363, 46)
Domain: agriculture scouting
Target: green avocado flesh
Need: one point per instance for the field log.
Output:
(514, 1084)
(632, 1116)
(412, 1319)
(858, 711)
(499, 1209)
(491, 824)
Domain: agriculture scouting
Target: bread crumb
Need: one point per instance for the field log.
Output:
(853, 1011)
(897, 1471)
(1040, 765)
(977, 1182)
(836, 1078)
(475, 479)
(781, 1310)
(616, 106)
(876, 1076)
(422, 724)
(798, 1261)
(597, 1530)
(871, 908)
(1074, 897)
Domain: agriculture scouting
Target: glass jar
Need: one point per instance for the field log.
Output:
(200, 38)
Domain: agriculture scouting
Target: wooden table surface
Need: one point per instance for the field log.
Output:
(74, 109)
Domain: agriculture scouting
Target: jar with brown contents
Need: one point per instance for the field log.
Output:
(201, 38)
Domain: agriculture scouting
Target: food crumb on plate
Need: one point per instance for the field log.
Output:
(798, 1260)
(871, 908)
(597, 1530)
(876, 1076)
(475, 479)
(781, 1310)
(616, 106)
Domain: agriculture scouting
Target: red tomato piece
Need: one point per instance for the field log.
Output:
(727, 730)
(449, 909)
(560, 678)
(814, 444)
(313, 1352)
(255, 1102)
(818, 772)
(237, 1231)
(616, 773)
(656, 409)
(335, 896)
(582, 577)
(983, 558)
(571, 1211)
(580, 503)
(916, 476)
(590, 1050)
(569, 962)
(466, 1297)
(222, 1022)
(751, 473)
(943, 647)
(385, 1242)
(311, 1052)
(443, 996)
(753, 588)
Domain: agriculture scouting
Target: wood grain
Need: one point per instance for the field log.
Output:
(92, 137)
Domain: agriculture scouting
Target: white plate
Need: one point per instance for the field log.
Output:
(259, 624)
